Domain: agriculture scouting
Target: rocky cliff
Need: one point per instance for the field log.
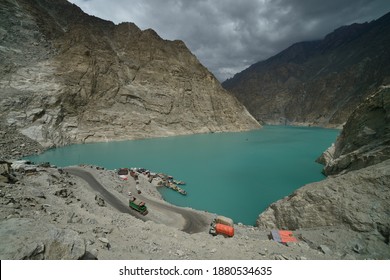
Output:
(365, 138)
(319, 82)
(357, 195)
(66, 77)
(358, 199)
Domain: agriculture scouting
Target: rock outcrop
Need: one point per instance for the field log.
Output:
(365, 138)
(358, 200)
(320, 82)
(66, 77)
(5, 170)
(35, 240)
(357, 197)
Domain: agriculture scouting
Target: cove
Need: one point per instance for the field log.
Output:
(233, 174)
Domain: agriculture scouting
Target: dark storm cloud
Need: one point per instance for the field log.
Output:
(229, 35)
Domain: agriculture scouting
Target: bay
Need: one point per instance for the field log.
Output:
(233, 174)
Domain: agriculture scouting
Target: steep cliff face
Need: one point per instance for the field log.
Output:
(365, 138)
(319, 82)
(358, 196)
(66, 77)
(358, 200)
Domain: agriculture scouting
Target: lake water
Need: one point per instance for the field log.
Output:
(233, 174)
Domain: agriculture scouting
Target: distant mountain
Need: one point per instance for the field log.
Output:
(318, 82)
(67, 77)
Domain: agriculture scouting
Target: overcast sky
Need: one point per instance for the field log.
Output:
(227, 36)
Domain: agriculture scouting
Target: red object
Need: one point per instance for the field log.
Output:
(224, 229)
(287, 236)
(283, 236)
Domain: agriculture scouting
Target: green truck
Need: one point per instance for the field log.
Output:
(138, 206)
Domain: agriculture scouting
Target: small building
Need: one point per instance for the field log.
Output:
(123, 173)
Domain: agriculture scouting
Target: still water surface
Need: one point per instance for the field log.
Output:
(233, 174)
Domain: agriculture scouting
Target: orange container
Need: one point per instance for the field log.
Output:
(224, 229)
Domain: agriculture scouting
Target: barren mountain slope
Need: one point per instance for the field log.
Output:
(67, 77)
(319, 82)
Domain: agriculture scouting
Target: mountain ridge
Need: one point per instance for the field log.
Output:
(67, 77)
(317, 82)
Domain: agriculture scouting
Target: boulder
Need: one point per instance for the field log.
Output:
(365, 138)
(27, 239)
(100, 200)
(359, 200)
(5, 168)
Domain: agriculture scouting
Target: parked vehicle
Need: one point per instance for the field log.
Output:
(222, 225)
(225, 230)
(138, 205)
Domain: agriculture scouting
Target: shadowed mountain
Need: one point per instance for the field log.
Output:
(318, 82)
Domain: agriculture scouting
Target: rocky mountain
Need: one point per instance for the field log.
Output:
(357, 194)
(319, 82)
(365, 138)
(67, 77)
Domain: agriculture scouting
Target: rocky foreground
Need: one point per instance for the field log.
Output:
(49, 214)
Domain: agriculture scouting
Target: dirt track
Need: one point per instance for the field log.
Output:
(194, 221)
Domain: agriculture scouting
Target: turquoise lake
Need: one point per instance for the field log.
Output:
(233, 174)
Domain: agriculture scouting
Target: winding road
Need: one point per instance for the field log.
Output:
(194, 222)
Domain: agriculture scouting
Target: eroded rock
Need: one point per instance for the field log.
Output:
(31, 239)
(103, 82)
(358, 199)
(365, 138)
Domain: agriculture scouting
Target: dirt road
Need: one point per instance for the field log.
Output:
(193, 221)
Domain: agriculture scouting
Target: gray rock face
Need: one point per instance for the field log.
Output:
(66, 77)
(4, 171)
(365, 139)
(358, 200)
(27, 239)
